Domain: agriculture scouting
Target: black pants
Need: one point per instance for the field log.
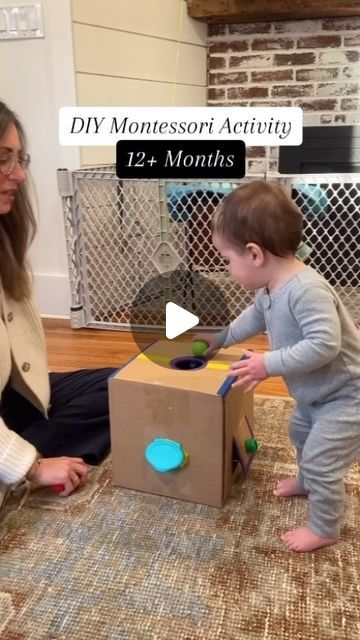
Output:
(78, 423)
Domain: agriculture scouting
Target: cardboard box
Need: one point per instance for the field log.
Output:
(195, 407)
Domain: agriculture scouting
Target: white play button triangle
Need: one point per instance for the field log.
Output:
(178, 320)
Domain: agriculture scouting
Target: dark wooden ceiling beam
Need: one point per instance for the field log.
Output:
(233, 11)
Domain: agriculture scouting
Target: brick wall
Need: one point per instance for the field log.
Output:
(312, 64)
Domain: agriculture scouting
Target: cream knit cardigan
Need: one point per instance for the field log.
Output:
(22, 361)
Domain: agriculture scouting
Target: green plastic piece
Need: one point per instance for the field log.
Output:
(199, 347)
(251, 445)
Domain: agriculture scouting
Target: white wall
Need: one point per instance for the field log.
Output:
(36, 78)
(147, 53)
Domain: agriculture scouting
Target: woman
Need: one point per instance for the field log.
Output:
(51, 426)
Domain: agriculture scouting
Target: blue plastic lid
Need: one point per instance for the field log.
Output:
(165, 455)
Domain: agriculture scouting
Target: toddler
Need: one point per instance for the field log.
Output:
(315, 346)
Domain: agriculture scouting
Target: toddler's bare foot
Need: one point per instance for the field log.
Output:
(289, 487)
(303, 539)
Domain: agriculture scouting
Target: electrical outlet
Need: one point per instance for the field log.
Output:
(18, 22)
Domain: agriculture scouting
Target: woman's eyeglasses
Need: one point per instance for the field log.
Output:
(9, 162)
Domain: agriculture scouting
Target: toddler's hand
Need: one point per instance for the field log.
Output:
(210, 338)
(249, 371)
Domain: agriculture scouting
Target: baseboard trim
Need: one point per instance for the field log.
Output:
(53, 294)
(55, 322)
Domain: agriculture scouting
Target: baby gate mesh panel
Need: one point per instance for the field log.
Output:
(330, 205)
(118, 232)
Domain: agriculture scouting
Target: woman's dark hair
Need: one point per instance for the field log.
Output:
(263, 213)
(17, 228)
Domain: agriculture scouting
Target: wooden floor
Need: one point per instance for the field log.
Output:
(70, 349)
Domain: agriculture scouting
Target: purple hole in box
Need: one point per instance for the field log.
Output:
(188, 363)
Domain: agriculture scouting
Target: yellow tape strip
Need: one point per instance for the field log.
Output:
(211, 364)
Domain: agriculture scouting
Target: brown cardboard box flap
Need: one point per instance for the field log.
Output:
(153, 366)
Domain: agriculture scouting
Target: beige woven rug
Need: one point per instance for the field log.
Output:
(113, 564)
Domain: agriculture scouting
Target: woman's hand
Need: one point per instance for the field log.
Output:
(249, 371)
(210, 338)
(72, 473)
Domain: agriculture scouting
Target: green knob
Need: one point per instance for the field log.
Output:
(199, 347)
(251, 445)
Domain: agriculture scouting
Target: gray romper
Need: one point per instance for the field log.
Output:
(315, 346)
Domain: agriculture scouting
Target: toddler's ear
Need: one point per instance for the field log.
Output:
(256, 254)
